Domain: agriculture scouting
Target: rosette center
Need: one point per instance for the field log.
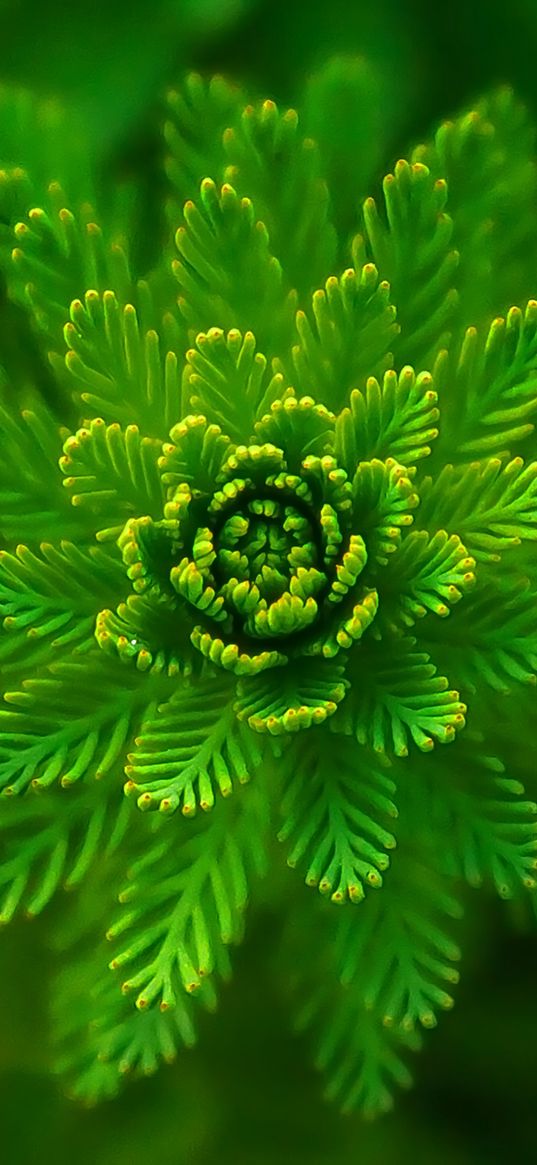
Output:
(265, 560)
(268, 566)
(276, 557)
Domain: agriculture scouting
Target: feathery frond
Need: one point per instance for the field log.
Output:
(345, 337)
(113, 473)
(413, 251)
(362, 1059)
(488, 387)
(189, 747)
(478, 818)
(227, 274)
(184, 904)
(31, 443)
(44, 848)
(483, 651)
(396, 419)
(270, 162)
(338, 814)
(305, 695)
(403, 700)
(59, 255)
(70, 721)
(100, 1037)
(228, 380)
(122, 373)
(198, 112)
(487, 157)
(492, 505)
(47, 600)
(400, 950)
(427, 572)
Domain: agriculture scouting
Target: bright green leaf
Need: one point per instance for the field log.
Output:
(337, 810)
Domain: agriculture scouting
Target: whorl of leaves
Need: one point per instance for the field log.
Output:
(268, 515)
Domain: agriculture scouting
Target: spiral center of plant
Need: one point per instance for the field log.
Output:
(266, 566)
(266, 561)
(266, 538)
(274, 560)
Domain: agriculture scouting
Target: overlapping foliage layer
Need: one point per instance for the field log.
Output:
(268, 519)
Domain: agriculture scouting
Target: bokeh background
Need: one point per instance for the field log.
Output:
(245, 1095)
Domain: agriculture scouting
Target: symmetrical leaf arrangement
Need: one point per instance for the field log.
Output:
(271, 525)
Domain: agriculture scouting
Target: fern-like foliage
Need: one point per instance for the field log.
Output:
(274, 527)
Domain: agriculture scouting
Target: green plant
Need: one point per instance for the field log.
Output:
(268, 525)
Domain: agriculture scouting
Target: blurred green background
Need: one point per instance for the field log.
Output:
(245, 1096)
